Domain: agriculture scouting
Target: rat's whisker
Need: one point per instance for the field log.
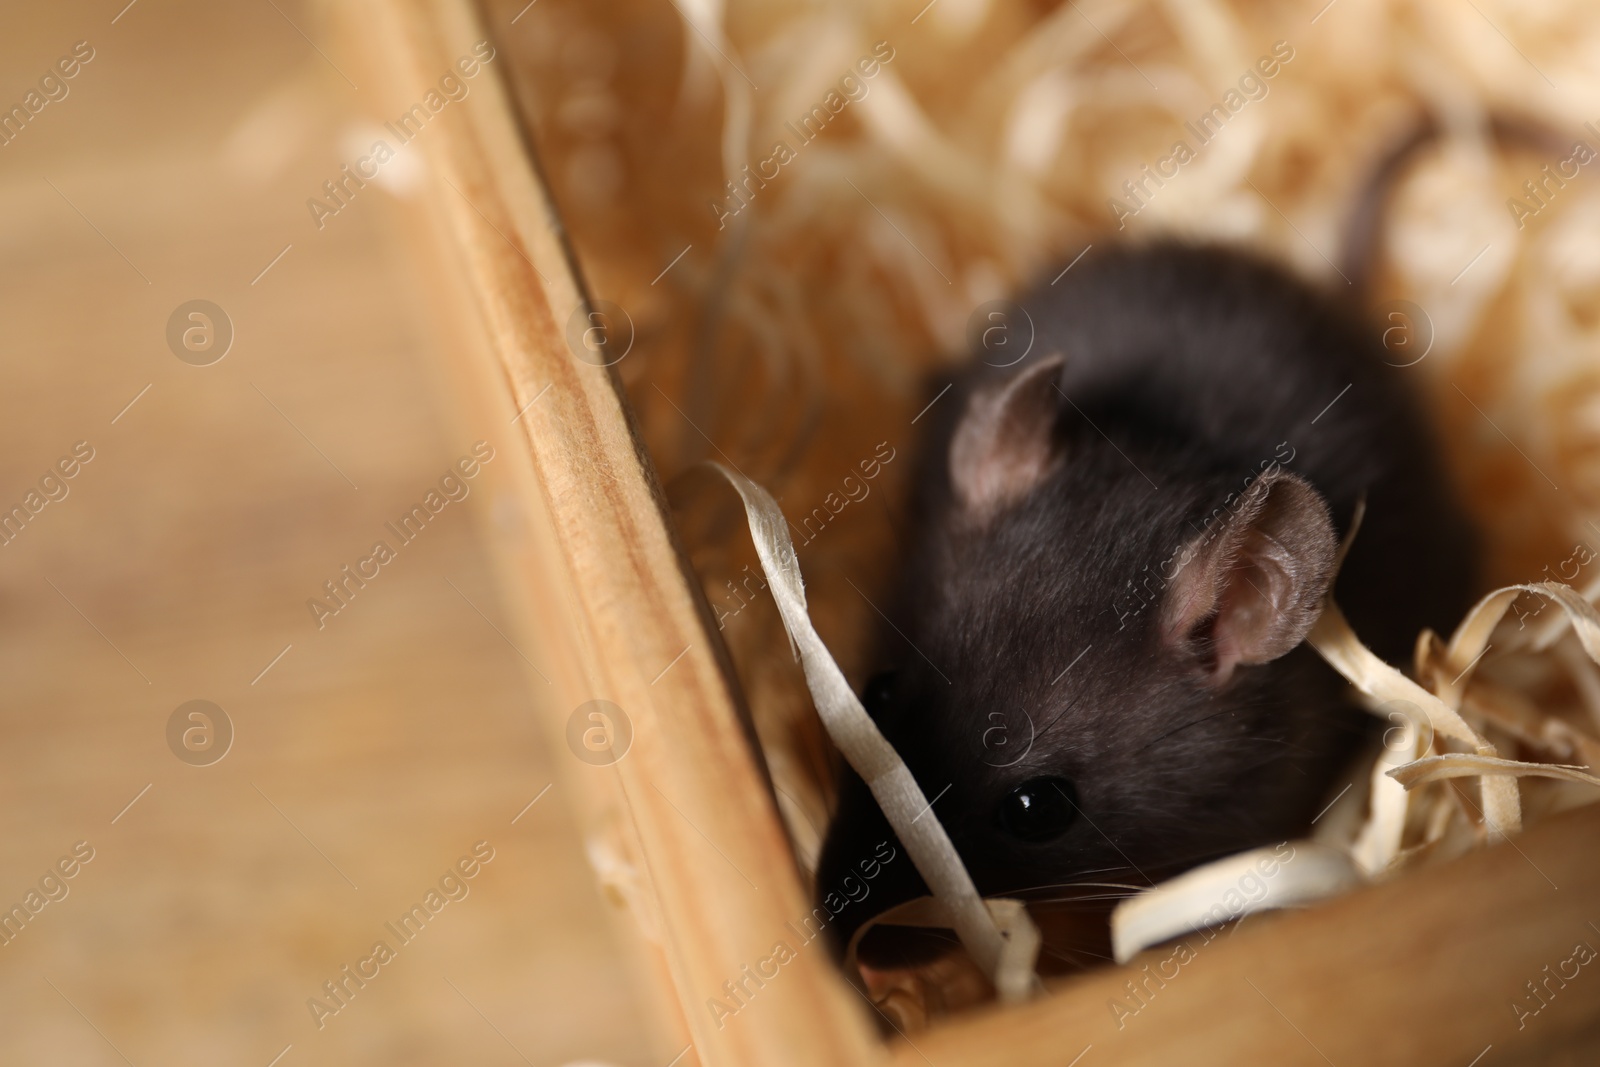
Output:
(1075, 885)
(1065, 954)
(1085, 898)
(1185, 726)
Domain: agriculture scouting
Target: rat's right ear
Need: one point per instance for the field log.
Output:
(1006, 443)
(1250, 588)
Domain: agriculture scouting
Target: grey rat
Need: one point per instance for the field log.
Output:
(1116, 548)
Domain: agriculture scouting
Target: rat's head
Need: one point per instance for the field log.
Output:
(1090, 687)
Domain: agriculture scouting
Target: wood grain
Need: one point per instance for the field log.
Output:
(608, 599)
(392, 739)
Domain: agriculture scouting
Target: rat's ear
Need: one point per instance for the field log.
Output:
(1250, 588)
(1005, 443)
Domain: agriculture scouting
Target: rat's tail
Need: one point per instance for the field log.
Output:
(1364, 230)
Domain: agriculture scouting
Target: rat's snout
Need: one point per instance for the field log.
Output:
(864, 871)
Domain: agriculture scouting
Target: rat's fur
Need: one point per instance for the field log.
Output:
(1185, 371)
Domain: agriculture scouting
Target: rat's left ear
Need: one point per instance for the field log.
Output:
(1006, 442)
(1250, 588)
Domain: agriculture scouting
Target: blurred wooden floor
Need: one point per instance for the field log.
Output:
(374, 752)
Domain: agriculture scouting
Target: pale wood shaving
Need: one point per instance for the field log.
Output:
(1465, 765)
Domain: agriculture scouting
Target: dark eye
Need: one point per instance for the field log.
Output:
(878, 693)
(1038, 809)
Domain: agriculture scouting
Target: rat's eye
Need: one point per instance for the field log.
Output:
(1038, 809)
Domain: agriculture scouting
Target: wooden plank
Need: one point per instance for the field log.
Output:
(378, 748)
(1420, 971)
(606, 595)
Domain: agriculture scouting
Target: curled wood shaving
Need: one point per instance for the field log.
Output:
(1007, 961)
(1378, 842)
(1229, 889)
(1010, 916)
(1337, 643)
(1508, 710)
(1472, 636)
(1466, 765)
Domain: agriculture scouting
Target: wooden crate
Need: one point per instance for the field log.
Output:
(1423, 970)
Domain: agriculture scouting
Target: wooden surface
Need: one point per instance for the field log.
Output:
(1415, 973)
(388, 742)
(609, 601)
